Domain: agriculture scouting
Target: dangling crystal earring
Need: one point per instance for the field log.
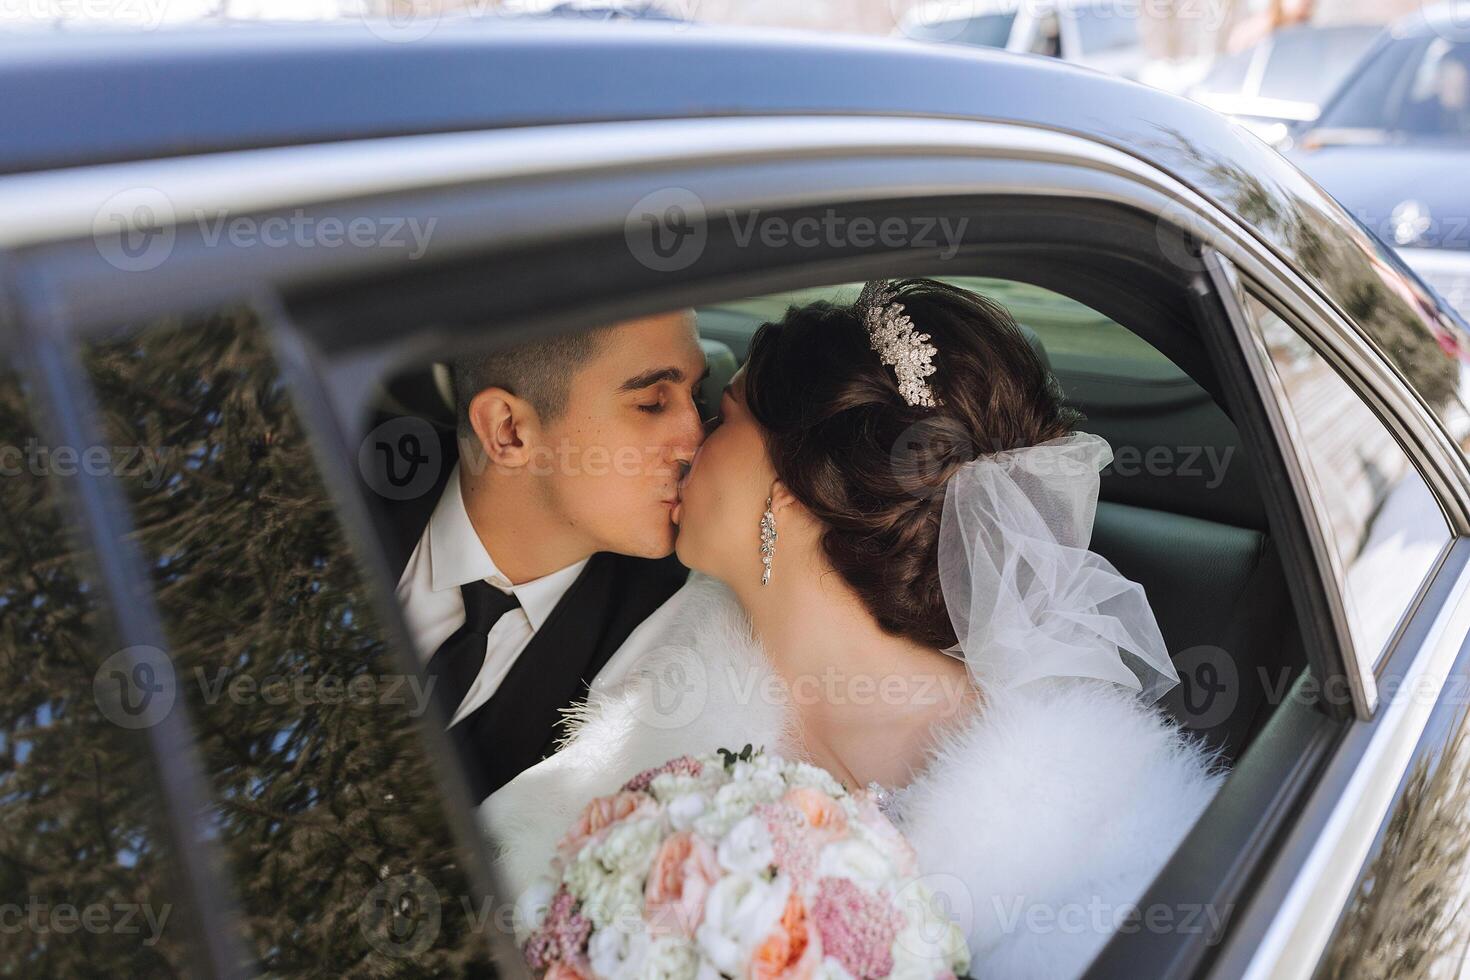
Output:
(768, 542)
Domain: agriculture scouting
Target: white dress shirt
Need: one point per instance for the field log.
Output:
(449, 553)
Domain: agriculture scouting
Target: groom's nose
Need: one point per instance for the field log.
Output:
(686, 441)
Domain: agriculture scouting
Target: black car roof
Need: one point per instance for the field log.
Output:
(76, 98)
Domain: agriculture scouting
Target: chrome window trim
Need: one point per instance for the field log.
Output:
(1303, 476)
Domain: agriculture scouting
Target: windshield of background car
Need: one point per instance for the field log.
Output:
(1416, 88)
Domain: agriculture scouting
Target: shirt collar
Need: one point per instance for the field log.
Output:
(457, 556)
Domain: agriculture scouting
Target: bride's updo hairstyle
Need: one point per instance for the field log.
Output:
(872, 468)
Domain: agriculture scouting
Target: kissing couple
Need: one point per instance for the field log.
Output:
(894, 499)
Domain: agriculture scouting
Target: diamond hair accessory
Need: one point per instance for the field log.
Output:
(891, 333)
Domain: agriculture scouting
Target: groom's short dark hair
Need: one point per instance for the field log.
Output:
(539, 371)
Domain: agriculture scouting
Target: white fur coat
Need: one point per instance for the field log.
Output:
(1045, 817)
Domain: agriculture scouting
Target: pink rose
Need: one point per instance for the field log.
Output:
(600, 814)
(822, 813)
(683, 871)
(792, 950)
(562, 970)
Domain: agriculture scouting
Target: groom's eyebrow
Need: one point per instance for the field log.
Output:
(650, 378)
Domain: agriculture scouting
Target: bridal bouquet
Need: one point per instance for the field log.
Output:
(736, 865)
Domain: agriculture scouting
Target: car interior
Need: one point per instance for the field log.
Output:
(1180, 510)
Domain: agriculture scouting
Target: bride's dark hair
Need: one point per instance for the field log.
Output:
(872, 468)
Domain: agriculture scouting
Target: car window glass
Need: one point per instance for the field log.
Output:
(86, 874)
(1385, 524)
(324, 800)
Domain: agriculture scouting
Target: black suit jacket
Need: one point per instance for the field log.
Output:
(521, 723)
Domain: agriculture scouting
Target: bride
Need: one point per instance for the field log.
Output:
(888, 530)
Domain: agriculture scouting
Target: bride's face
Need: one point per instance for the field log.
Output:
(725, 493)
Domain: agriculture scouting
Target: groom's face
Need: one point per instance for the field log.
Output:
(628, 433)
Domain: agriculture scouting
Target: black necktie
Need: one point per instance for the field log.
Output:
(457, 662)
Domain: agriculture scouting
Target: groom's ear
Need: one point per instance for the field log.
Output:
(505, 427)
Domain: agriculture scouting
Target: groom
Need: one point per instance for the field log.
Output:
(553, 537)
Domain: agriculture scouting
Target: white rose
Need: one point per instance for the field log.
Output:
(531, 907)
(930, 942)
(608, 876)
(618, 953)
(747, 847)
(852, 858)
(684, 809)
(671, 958)
(670, 784)
(805, 774)
(926, 950)
(740, 911)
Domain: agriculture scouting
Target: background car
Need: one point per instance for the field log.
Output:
(1279, 84)
(224, 306)
(1393, 146)
(1089, 32)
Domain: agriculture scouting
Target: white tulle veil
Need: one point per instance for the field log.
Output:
(1028, 600)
